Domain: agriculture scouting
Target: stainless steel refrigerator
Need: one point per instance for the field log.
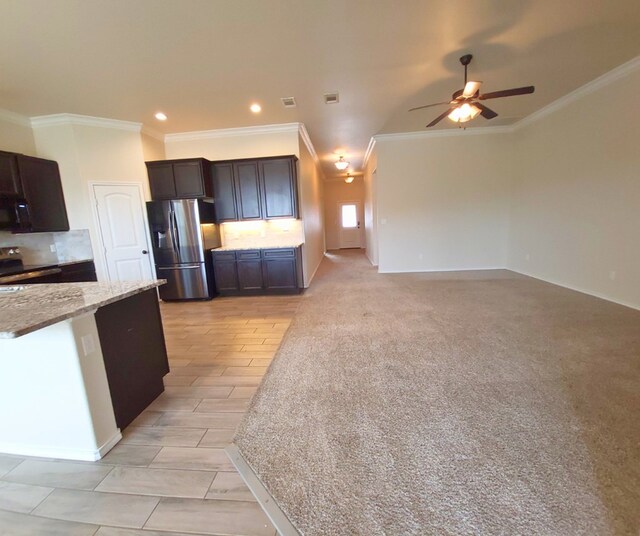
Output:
(182, 232)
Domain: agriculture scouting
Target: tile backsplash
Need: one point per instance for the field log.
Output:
(262, 233)
(37, 247)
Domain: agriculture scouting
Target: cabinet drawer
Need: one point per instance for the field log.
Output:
(248, 255)
(278, 253)
(224, 256)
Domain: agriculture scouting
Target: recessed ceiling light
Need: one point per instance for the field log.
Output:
(255, 108)
(161, 116)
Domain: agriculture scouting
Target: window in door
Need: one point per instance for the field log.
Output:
(349, 216)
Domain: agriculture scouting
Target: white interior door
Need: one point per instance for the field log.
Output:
(122, 226)
(350, 229)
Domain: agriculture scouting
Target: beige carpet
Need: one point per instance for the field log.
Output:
(459, 403)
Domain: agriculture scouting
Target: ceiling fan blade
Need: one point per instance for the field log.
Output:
(508, 93)
(428, 106)
(441, 117)
(470, 89)
(487, 113)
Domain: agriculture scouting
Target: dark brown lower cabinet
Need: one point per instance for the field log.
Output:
(134, 352)
(266, 271)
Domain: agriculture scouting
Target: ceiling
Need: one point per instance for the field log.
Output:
(203, 62)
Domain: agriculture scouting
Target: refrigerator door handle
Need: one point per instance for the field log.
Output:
(176, 233)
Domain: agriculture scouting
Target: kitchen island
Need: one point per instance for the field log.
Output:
(78, 362)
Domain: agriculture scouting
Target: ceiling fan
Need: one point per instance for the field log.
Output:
(465, 103)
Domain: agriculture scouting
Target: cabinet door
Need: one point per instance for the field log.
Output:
(9, 178)
(161, 180)
(224, 192)
(189, 179)
(279, 268)
(80, 272)
(134, 353)
(248, 190)
(42, 189)
(278, 179)
(249, 270)
(225, 275)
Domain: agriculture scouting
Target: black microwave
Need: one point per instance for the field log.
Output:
(14, 215)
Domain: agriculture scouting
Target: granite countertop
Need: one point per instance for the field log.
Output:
(242, 248)
(37, 306)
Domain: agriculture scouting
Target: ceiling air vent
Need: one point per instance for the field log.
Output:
(331, 98)
(288, 102)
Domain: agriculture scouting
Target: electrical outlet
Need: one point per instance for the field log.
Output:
(52, 247)
(612, 275)
(383, 221)
(527, 257)
(420, 256)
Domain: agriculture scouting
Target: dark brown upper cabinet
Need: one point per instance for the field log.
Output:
(179, 179)
(41, 187)
(248, 196)
(279, 189)
(224, 192)
(9, 178)
(256, 189)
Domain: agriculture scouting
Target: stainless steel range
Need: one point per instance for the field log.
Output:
(12, 269)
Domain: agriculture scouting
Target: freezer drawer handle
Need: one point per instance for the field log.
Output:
(181, 268)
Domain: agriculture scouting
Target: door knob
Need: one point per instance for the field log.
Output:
(144, 252)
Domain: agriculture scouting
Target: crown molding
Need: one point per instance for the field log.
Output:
(83, 120)
(451, 132)
(152, 133)
(229, 132)
(367, 154)
(302, 130)
(16, 119)
(590, 87)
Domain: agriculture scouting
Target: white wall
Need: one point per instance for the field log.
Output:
(15, 134)
(336, 192)
(575, 209)
(371, 208)
(152, 148)
(310, 194)
(442, 202)
(89, 154)
(233, 145)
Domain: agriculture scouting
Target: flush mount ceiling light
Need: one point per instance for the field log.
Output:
(255, 108)
(342, 164)
(349, 178)
(160, 116)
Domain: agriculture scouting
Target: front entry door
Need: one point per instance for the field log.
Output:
(122, 229)
(350, 218)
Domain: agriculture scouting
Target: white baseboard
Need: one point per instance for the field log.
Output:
(578, 289)
(428, 271)
(276, 515)
(86, 455)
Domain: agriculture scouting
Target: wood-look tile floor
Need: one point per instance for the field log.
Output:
(169, 474)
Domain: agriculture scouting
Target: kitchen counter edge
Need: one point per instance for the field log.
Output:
(24, 326)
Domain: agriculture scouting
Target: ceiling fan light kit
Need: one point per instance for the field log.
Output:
(464, 113)
(464, 105)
